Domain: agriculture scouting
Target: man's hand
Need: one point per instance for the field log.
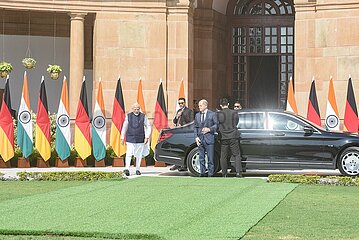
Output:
(198, 141)
(146, 140)
(205, 130)
(122, 141)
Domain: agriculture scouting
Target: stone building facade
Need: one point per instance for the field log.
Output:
(242, 49)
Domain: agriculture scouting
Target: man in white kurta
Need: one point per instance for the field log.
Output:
(137, 130)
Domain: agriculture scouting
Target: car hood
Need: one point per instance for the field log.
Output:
(340, 133)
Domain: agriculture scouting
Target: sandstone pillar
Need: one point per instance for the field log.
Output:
(77, 59)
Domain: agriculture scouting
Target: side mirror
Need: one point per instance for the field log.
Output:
(308, 130)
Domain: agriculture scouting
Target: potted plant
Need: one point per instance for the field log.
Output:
(54, 71)
(5, 69)
(29, 63)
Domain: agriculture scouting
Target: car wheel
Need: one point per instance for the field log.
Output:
(193, 162)
(349, 162)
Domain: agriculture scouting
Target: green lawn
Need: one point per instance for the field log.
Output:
(141, 208)
(312, 212)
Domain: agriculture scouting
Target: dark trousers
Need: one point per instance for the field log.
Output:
(230, 147)
(204, 148)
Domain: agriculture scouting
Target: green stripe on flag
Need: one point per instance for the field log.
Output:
(62, 147)
(98, 148)
(24, 141)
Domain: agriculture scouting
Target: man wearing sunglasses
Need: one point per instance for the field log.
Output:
(237, 106)
(183, 116)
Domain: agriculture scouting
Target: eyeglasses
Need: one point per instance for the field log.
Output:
(180, 103)
(237, 106)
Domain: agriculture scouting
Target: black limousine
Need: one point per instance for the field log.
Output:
(269, 140)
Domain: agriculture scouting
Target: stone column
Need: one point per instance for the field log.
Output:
(77, 59)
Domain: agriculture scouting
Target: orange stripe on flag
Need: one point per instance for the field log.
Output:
(331, 97)
(291, 103)
(25, 92)
(100, 100)
(65, 95)
(181, 91)
(140, 99)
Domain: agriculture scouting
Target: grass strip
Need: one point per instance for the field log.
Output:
(312, 212)
(17, 189)
(169, 208)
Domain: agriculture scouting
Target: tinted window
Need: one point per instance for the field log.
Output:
(251, 121)
(284, 122)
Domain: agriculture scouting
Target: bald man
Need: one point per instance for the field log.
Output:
(137, 130)
(205, 126)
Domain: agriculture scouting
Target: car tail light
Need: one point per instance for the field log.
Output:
(164, 136)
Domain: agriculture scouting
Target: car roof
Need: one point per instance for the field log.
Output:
(261, 110)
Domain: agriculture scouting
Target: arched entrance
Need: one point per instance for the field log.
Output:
(261, 51)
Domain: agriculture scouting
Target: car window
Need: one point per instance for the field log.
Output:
(251, 121)
(284, 122)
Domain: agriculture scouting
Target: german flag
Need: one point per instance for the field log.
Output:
(351, 112)
(160, 119)
(83, 125)
(6, 125)
(313, 113)
(291, 103)
(118, 117)
(140, 99)
(42, 131)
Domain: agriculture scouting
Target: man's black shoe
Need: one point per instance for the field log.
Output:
(126, 172)
(175, 167)
(182, 169)
(202, 175)
(238, 175)
(210, 176)
(138, 172)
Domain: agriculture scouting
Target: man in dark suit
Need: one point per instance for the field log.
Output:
(205, 126)
(228, 120)
(184, 115)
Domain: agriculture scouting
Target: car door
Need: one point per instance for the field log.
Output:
(291, 146)
(254, 140)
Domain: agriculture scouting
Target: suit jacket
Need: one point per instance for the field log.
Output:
(227, 123)
(209, 122)
(186, 117)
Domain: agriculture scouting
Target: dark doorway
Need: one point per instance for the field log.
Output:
(263, 82)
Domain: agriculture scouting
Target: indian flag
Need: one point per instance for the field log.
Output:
(24, 126)
(332, 114)
(291, 103)
(99, 126)
(63, 134)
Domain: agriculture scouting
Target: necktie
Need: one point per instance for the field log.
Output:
(202, 117)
